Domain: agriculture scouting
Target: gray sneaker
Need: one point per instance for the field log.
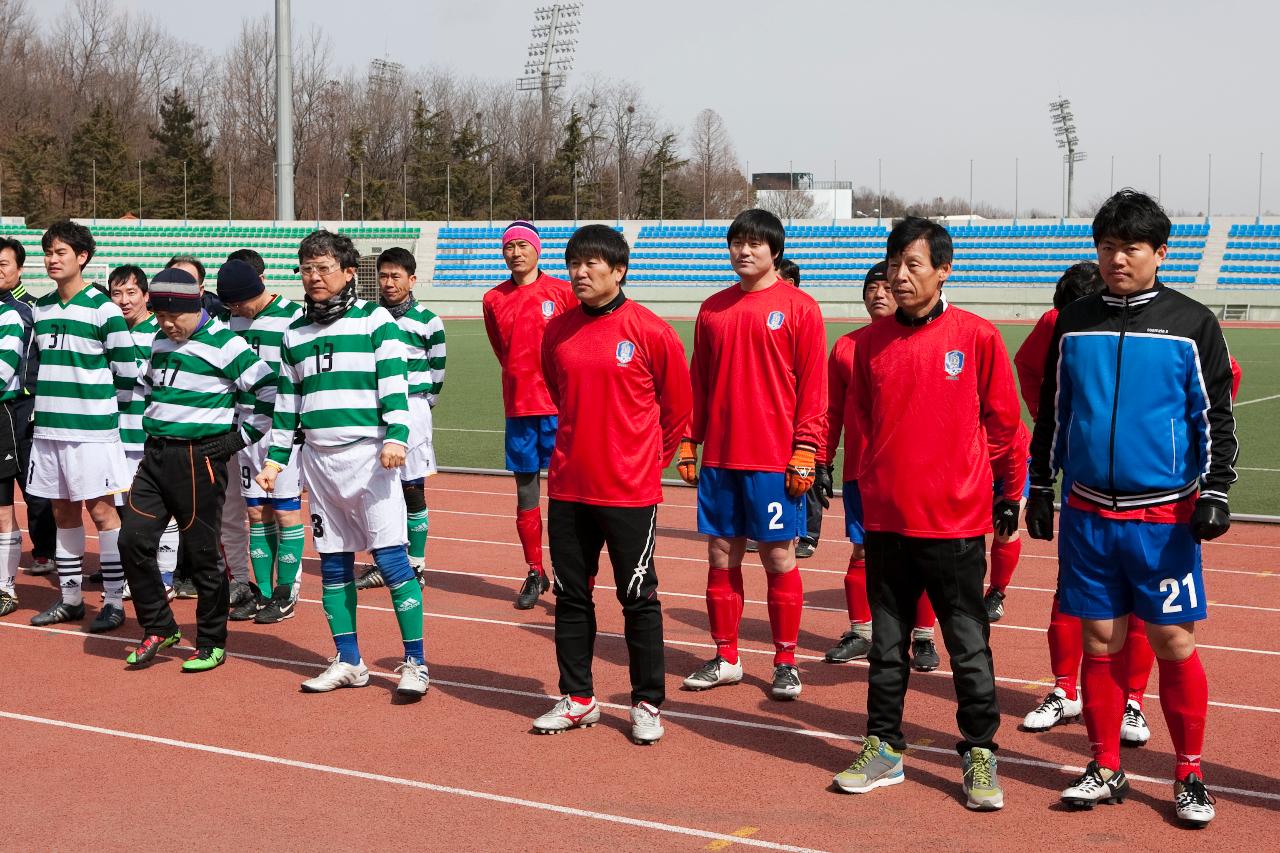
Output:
(646, 724)
(981, 783)
(877, 766)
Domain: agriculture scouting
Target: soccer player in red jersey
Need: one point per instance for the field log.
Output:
(877, 296)
(941, 411)
(759, 394)
(618, 376)
(516, 314)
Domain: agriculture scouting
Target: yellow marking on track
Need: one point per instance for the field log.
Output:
(740, 832)
(1037, 686)
(923, 741)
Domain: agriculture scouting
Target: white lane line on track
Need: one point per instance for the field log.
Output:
(404, 783)
(682, 715)
(1255, 400)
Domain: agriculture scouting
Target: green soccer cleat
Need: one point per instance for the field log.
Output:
(205, 659)
(151, 644)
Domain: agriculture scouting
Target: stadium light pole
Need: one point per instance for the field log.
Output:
(1159, 176)
(970, 190)
(362, 192)
(1015, 190)
(184, 192)
(491, 195)
(139, 192)
(1257, 221)
(1208, 204)
(448, 193)
(551, 50)
(879, 189)
(284, 114)
(1113, 175)
(95, 192)
(1064, 130)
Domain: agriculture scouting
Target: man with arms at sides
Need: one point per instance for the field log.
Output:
(516, 314)
(618, 376)
(1135, 410)
(12, 337)
(759, 377)
(940, 412)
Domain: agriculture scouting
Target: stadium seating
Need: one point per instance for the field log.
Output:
(472, 257)
(1252, 257)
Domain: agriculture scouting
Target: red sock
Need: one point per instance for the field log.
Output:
(529, 528)
(855, 591)
(924, 613)
(739, 597)
(582, 700)
(1184, 697)
(1066, 647)
(1103, 678)
(1004, 559)
(786, 603)
(723, 610)
(1138, 660)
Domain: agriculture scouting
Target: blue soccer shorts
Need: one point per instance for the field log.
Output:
(754, 504)
(853, 513)
(1109, 568)
(529, 442)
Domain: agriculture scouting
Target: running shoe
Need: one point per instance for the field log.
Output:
(981, 783)
(876, 766)
(338, 674)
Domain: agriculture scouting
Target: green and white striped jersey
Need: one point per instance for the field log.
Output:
(132, 434)
(88, 367)
(11, 335)
(423, 334)
(264, 334)
(342, 383)
(192, 386)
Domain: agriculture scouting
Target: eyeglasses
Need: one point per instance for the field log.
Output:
(315, 269)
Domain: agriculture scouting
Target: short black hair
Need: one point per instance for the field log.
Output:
(400, 257)
(914, 228)
(250, 257)
(320, 243)
(188, 259)
(122, 274)
(1080, 280)
(19, 250)
(599, 241)
(757, 224)
(789, 270)
(1132, 217)
(75, 235)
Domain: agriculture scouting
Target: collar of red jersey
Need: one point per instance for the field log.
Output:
(933, 314)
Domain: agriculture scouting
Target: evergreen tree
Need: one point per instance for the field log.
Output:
(32, 158)
(556, 196)
(659, 196)
(425, 159)
(97, 149)
(181, 139)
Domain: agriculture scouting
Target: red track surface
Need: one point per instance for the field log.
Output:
(240, 758)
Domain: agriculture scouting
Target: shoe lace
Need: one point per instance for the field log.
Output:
(711, 668)
(1090, 781)
(981, 767)
(1133, 716)
(786, 674)
(1193, 793)
(869, 751)
(1052, 702)
(645, 713)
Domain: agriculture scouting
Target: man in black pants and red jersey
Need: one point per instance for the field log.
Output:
(620, 381)
(940, 414)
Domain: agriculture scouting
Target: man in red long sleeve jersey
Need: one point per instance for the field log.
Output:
(877, 296)
(516, 314)
(759, 394)
(618, 375)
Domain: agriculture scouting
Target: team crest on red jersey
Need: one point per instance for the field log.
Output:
(775, 320)
(625, 352)
(548, 309)
(953, 363)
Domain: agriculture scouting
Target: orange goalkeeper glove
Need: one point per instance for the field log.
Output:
(800, 471)
(687, 461)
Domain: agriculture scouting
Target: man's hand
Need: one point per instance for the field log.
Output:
(1209, 520)
(687, 461)
(1004, 517)
(824, 485)
(223, 447)
(266, 478)
(392, 455)
(800, 471)
(1040, 514)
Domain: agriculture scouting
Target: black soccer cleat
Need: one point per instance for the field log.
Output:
(60, 612)
(278, 608)
(371, 579)
(924, 655)
(993, 601)
(805, 548)
(535, 584)
(249, 609)
(851, 646)
(109, 618)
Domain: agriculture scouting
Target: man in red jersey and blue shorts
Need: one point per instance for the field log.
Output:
(516, 313)
(759, 395)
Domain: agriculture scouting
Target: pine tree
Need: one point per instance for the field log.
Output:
(32, 158)
(181, 139)
(97, 155)
(556, 197)
(659, 196)
(425, 159)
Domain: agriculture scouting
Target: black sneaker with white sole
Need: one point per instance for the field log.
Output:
(279, 608)
(924, 655)
(246, 611)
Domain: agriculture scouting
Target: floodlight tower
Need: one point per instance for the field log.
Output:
(1064, 130)
(551, 50)
(284, 114)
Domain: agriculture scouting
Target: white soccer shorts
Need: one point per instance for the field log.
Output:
(249, 462)
(356, 504)
(77, 471)
(420, 459)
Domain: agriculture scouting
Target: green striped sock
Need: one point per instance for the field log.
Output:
(261, 548)
(292, 540)
(417, 536)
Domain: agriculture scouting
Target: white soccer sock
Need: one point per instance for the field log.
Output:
(112, 571)
(167, 555)
(68, 556)
(10, 554)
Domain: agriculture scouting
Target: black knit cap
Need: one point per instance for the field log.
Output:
(880, 272)
(238, 282)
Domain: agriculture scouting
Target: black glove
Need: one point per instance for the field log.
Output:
(1004, 517)
(223, 447)
(1040, 514)
(824, 486)
(1209, 520)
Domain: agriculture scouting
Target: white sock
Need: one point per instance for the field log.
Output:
(112, 571)
(167, 556)
(10, 553)
(69, 558)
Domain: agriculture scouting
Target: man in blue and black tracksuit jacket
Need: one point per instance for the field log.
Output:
(1135, 410)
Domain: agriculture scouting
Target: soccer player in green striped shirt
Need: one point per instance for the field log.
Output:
(276, 534)
(198, 369)
(88, 366)
(343, 381)
(12, 333)
(423, 334)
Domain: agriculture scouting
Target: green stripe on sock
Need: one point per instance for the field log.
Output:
(289, 558)
(407, 599)
(418, 535)
(340, 607)
(260, 556)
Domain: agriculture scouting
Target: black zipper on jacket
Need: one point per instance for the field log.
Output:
(1115, 407)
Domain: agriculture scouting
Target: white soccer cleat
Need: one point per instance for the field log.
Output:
(414, 679)
(338, 674)
(1133, 729)
(568, 714)
(1192, 802)
(646, 724)
(1055, 708)
(714, 673)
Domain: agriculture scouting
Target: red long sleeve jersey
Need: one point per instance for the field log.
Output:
(515, 318)
(622, 386)
(1029, 360)
(759, 377)
(941, 416)
(841, 394)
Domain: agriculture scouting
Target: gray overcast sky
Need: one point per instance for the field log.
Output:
(925, 85)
